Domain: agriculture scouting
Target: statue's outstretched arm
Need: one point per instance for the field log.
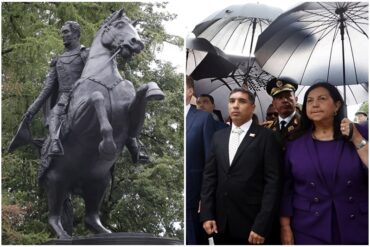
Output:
(50, 82)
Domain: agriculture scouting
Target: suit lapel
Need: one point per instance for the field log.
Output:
(225, 148)
(247, 140)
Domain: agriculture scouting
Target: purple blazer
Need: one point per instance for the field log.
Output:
(309, 196)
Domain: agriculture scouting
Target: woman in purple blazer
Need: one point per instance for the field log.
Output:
(325, 198)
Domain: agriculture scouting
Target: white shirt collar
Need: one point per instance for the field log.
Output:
(245, 127)
(287, 119)
(187, 108)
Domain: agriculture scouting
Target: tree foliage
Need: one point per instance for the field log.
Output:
(144, 198)
(364, 107)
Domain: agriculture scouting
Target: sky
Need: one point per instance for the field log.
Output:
(192, 12)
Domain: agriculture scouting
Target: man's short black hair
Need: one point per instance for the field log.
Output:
(209, 97)
(251, 96)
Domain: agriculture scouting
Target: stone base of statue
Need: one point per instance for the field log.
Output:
(124, 238)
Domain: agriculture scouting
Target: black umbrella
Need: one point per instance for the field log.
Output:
(203, 60)
(318, 41)
(220, 88)
(235, 28)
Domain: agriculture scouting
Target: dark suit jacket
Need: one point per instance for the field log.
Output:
(246, 194)
(200, 127)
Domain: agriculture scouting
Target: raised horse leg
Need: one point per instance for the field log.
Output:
(107, 147)
(93, 194)
(146, 92)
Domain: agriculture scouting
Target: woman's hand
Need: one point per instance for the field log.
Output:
(356, 138)
(348, 129)
(286, 235)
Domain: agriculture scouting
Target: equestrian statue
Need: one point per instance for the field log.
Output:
(95, 113)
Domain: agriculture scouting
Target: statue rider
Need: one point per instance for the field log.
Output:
(64, 71)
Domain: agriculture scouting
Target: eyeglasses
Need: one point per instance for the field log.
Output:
(270, 114)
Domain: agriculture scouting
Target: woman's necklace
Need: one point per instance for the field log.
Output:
(325, 136)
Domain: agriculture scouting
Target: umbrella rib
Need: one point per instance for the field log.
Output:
(352, 93)
(225, 83)
(325, 28)
(215, 34)
(228, 40)
(245, 40)
(260, 105)
(331, 51)
(327, 9)
(353, 58)
(355, 23)
(309, 58)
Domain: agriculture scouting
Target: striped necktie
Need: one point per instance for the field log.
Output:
(234, 142)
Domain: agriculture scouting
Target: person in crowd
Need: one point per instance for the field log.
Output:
(241, 180)
(285, 125)
(325, 198)
(284, 100)
(271, 114)
(255, 118)
(199, 130)
(206, 102)
(361, 117)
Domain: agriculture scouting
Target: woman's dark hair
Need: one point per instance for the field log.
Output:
(335, 95)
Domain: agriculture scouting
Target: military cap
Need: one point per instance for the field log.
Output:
(276, 86)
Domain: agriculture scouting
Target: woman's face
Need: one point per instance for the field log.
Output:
(320, 106)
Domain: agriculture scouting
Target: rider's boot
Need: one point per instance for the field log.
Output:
(137, 151)
(56, 147)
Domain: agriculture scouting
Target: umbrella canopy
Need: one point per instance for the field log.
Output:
(220, 89)
(318, 41)
(203, 60)
(355, 94)
(235, 29)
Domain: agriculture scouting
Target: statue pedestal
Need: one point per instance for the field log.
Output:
(124, 238)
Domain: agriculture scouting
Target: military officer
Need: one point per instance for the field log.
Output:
(286, 124)
(284, 100)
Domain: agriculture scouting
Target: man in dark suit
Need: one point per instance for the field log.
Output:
(241, 179)
(206, 102)
(199, 130)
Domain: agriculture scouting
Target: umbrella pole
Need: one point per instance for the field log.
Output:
(342, 26)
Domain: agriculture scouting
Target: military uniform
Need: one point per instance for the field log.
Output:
(273, 88)
(68, 68)
(291, 129)
(64, 71)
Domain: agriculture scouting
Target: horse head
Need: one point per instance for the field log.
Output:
(119, 33)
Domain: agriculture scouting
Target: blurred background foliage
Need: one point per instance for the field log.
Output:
(146, 197)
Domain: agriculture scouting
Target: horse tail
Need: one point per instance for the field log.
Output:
(67, 215)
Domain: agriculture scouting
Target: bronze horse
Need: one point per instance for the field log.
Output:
(104, 110)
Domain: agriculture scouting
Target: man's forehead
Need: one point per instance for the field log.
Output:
(238, 95)
(204, 98)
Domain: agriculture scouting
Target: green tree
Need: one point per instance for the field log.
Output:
(144, 198)
(364, 107)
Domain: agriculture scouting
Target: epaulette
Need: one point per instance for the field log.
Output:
(268, 124)
(84, 53)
